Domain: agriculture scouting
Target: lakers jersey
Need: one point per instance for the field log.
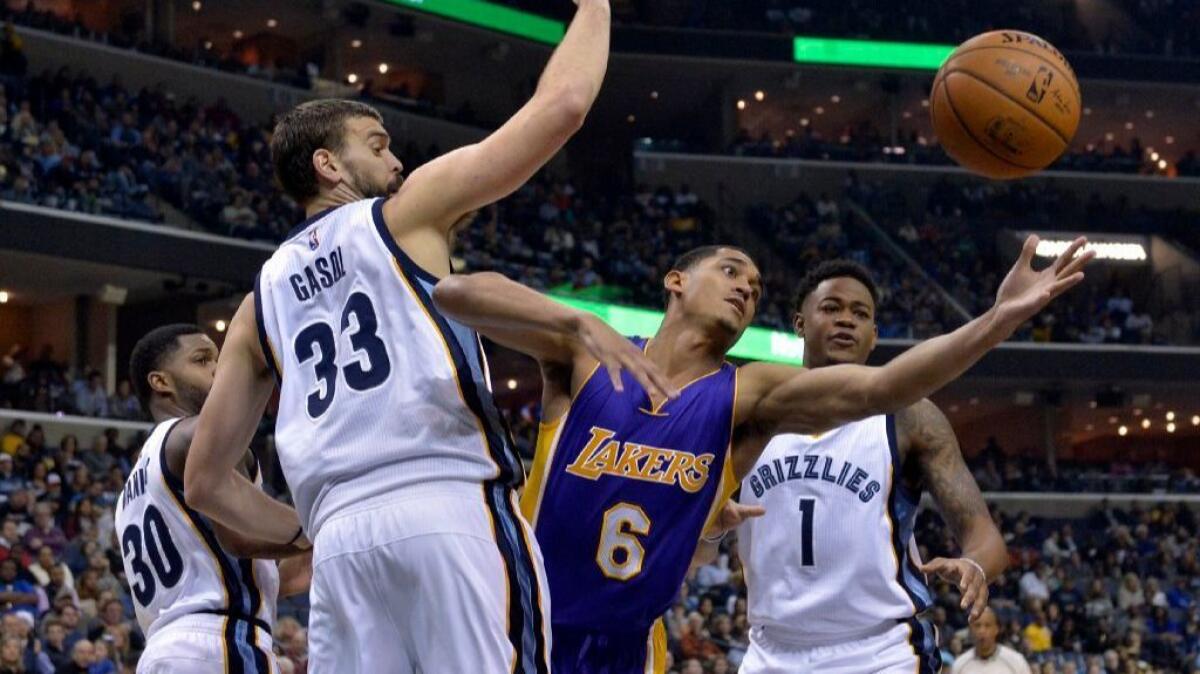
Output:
(173, 562)
(834, 556)
(620, 493)
(378, 391)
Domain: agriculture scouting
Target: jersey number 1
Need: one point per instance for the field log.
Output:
(317, 339)
(807, 506)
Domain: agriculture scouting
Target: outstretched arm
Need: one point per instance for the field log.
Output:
(932, 444)
(440, 192)
(211, 481)
(527, 321)
(783, 399)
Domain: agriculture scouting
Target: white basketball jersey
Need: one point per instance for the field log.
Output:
(834, 555)
(378, 391)
(173, 562)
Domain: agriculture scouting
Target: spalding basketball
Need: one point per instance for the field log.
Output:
(1005, 104)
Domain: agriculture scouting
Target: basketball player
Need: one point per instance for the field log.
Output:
(401, 468)
(623, 485)
(833, 581)
(204, 605)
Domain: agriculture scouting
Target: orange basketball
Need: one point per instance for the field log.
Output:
(1005, 104)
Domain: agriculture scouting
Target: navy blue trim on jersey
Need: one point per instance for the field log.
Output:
(902, 511)
(405, 261)
(525, 618)
(263, 340)
(239, 635)
(308, 222)
(923, 639)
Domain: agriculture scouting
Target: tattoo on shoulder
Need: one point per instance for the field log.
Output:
(935, 451)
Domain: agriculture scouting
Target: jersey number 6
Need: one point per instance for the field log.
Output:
(620, 553)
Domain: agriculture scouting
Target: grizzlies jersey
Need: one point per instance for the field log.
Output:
(834, 556)
(378, 391)
(174, 564)
(620, 493)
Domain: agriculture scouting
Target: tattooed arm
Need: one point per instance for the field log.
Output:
(927, 438)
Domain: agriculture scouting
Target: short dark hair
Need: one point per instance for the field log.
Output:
(306, 128)
(151, 350)
(835, 269)
(695, 256)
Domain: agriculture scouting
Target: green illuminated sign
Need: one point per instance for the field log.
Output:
(870, 53)
(493, 16)
(755, 344)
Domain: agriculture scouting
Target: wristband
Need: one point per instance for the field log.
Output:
(716, 540)
(977, 566)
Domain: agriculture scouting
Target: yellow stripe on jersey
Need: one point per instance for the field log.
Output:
(729, 481)
(543, 458)
(656, 651)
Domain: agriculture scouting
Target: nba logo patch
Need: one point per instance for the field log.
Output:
(313, 241)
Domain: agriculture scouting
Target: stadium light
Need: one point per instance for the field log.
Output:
(1171, 427)
(1145, 423)
(3, 297)
(1196, 419)
(512, 384)
(1123, 431)
(829, 51)
(1123, 251)
(220, 326)
(1170, 416)
(383, 68)
(756, 343)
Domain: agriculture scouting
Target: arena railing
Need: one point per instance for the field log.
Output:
(56, 426)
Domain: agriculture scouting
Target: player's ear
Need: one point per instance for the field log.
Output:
(798, 324)
(326, 166)
(160, 382)
(673, 282)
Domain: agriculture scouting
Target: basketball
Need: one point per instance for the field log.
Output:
(1005, 104)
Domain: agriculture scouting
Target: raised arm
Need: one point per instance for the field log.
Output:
(931, 443)
(782, 399)
(436, 195)
(525, 320)
(211, 481)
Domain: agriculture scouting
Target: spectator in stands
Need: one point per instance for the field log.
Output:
(987, 656)
(44, 531)
(10, 481)
(16, 594)
(14, 438)
(83, 656)
(91, 400)
(54, 644)
(1033, 584)
(124, 403)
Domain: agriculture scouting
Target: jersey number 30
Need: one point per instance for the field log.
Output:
(366, 371)
(153, 540)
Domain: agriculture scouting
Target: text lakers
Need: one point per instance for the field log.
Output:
(603, 455)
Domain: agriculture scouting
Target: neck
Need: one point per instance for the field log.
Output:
(161, 410)
(338, 196)
(685, 351)
(985, 650)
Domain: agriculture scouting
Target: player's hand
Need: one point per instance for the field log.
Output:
(732, 516)
(972, 585)
(295, 574)
(617, 353)
(1025, 292)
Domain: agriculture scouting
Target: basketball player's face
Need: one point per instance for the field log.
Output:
(191, 369)
(723, 290)
(837, 322)
(373, 171)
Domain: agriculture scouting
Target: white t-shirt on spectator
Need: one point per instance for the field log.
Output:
(1003, 661)
(1033, 586)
